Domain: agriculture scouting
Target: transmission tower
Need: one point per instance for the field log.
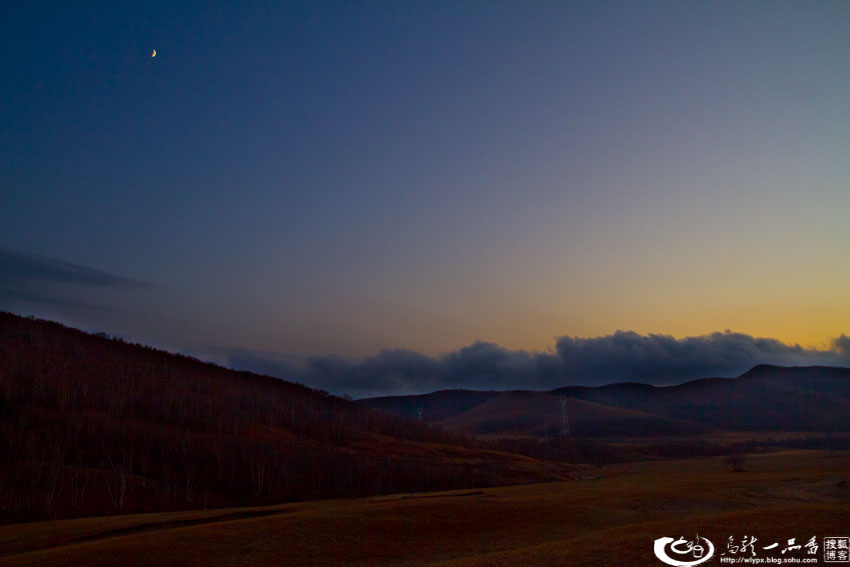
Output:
(419, 411)
(565, 423)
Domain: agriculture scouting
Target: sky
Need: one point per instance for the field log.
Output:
(339, 183)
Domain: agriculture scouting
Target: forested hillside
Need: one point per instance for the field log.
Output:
(93, 425)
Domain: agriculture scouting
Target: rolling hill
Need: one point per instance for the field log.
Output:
(436, 405)
(766, 398)
(538, 414)
(92, 425)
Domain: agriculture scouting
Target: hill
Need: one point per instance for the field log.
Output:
(436, 406)
(92, 425)
(538, 414)
(766, 398)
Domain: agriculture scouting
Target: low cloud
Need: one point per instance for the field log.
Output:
(841, 345)
(20, 267)
(662, 359)
(620, 357)
(29, 279)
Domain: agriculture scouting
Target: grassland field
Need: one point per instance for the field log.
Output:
(607, 516)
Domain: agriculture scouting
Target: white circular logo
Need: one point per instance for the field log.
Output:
(689, 552)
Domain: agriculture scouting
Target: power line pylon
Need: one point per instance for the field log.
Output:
(565, 423)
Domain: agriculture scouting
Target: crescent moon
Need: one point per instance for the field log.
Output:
(154, 53)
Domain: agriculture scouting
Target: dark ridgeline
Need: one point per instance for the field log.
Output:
(532, 414)
(93, 425)
(435, 406)
(766, 398)
(805, 408)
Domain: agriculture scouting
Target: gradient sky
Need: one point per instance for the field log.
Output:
(314, 178)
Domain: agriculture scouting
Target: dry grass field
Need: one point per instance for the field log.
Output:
(609, 515)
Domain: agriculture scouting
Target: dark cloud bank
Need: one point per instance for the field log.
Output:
(20, 267)
(624, 356)
(27, 279)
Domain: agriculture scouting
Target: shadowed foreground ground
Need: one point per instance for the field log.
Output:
(609, 517)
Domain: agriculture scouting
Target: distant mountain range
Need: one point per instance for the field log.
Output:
(766, 398)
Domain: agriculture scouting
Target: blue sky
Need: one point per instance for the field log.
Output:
(345, 177)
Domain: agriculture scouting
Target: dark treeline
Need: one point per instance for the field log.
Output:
(92, 425)
(603, 452)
